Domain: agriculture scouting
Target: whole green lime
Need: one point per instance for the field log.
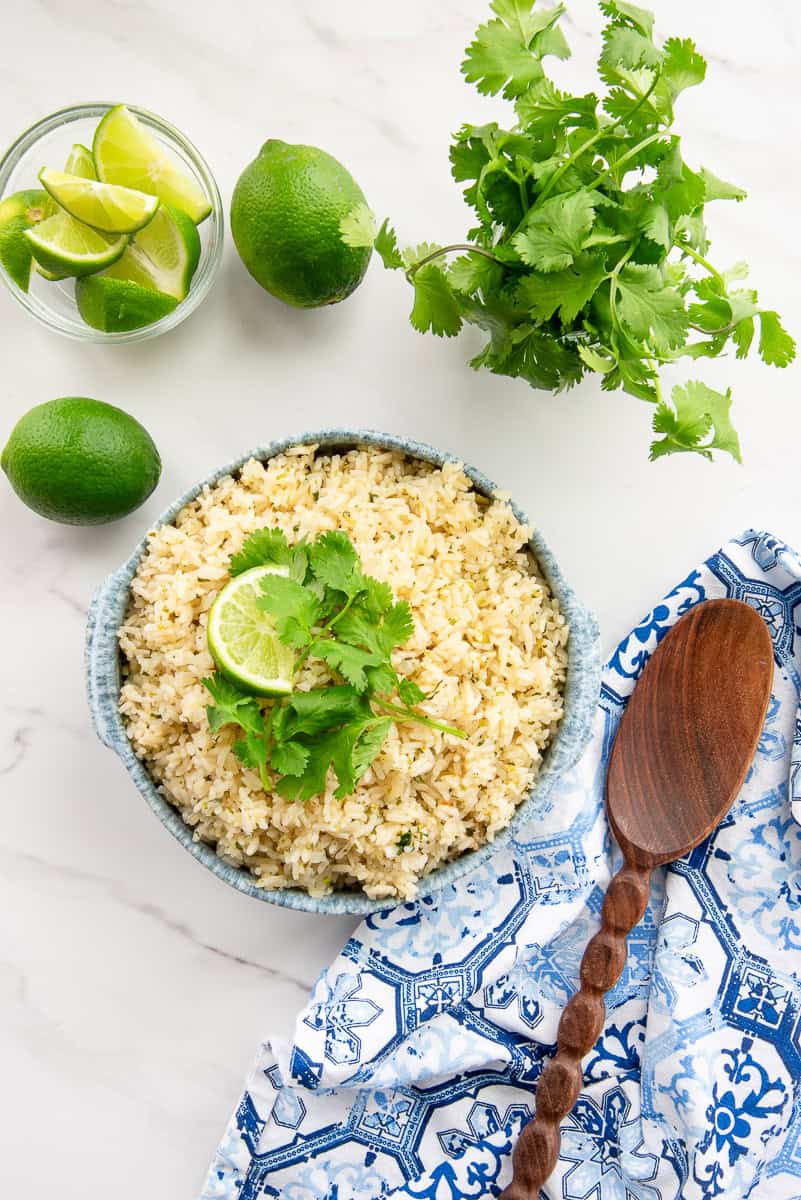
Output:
(81, 462)
(285, 215)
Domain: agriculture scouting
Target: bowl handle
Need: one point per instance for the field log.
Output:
(102, 658)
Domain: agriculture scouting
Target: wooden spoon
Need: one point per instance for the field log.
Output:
(682, 751)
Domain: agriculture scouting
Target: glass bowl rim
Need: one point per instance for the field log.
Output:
(210, 259)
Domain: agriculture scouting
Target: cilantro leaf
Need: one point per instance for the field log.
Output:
(397, 626)
(542, 108)
(743, 336)
(320, 710)
(639, 18)
(502, 57)
(555, 232)
(358, 227)
(629, 48)
(410, 692)
(776, 347)
(565, 292)
(682, 67)
(289, 758)
(252, 752)
(655, 225)
(386, 245)
(263, 547)
(349, 661)
(698, 419)
(369, 744)
(294, 608)
(330, 750)
(312, 780)
(680, 189)
(377, 597)
(382, 680)
(718, 189)
(231, 705)
(653, 313)
(474, 273)
(435, 306)
(335, 563)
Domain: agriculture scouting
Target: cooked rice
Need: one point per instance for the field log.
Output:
(489, 645)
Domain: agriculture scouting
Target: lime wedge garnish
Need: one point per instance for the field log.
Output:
(163, 256)
(242, 638)
(126, 153)
(102, 205)
(80, 162)
(19, 213)
(117, 305)
(64, 246)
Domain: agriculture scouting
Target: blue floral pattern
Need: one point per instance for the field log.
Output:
(414, 1063)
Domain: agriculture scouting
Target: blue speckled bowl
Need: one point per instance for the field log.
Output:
(103, 682)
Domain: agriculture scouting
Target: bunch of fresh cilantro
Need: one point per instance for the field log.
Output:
(590, 248)
(324, 608)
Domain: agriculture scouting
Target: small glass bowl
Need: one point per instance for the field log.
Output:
(47, 144)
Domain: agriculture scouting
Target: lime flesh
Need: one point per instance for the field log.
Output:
(102, 205)
(242, 638)
(126, 153)
(80, 163)
(163, 256)
(64, 246)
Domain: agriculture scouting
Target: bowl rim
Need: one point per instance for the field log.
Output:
(582, 686)
(211, 257)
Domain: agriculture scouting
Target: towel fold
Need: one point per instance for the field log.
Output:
(414, 1064)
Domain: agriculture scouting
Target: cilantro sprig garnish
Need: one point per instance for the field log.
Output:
(327, 608)
(590, 252)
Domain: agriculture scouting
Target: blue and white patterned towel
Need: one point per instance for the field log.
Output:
(414, 1063)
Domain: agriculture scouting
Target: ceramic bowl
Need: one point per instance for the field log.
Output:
(103, 678)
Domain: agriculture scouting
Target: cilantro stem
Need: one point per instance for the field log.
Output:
(625, 158)
(710, 333)
(566, 165)
(613, 286)
(461, 247)
(702, 262)
(411, 714)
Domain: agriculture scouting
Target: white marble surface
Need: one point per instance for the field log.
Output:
(133, 986)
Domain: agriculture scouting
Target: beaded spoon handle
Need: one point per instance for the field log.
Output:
(682, 751)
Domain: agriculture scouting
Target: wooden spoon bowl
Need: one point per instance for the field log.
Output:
(684, 746)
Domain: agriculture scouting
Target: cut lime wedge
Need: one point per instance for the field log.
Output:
(101, 205)
(19, 213)
(80, 162)
(117, 305)
(242, 638)
(163, 256)
(126, 153)
(64, 246)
